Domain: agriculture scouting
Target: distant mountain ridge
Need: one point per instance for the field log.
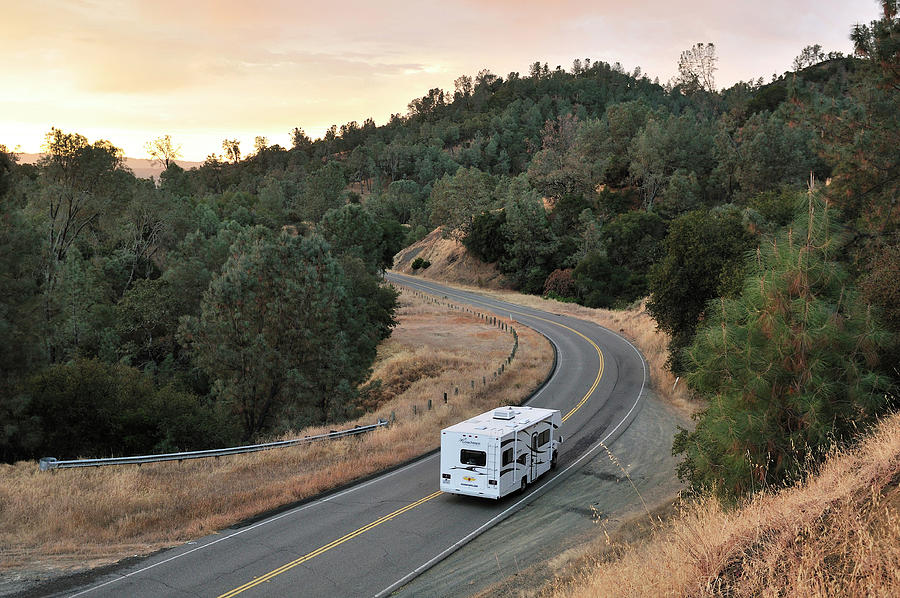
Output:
(141, 167)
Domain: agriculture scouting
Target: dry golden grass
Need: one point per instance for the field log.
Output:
(636, 325)
(838, 534)
(633, 323)
(72, 517)
(450, 262)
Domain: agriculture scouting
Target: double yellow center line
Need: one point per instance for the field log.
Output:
(398, 512)
(328, 547)
(593, 387)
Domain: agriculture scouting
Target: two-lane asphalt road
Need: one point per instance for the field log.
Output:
(371, 538)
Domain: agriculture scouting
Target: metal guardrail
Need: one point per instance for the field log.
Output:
(48, 463)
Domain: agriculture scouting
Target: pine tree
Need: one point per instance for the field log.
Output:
(789, 366)
(272, 333)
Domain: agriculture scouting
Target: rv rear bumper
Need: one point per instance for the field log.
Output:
(472, 492)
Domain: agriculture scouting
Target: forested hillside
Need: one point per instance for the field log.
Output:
(242, 297)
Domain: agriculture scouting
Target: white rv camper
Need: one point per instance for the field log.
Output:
(500, 451)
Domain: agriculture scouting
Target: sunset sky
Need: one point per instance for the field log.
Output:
(204, 70)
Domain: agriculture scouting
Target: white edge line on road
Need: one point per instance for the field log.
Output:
(256, 525)
(276, 517)
(545, 486)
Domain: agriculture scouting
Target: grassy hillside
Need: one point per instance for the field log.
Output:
(836, 534)
(449, 261)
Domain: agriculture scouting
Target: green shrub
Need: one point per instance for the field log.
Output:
(485, 239)
(420, 263)
(88, 408)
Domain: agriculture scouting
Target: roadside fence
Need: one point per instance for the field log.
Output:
(488, 318)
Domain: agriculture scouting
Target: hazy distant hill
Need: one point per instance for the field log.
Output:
(141, 168)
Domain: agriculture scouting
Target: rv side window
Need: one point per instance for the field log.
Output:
(507, 456)
(543, 438)
(467, 457)
(522, 458)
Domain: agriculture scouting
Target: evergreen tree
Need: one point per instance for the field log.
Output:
(323, 192)
(704, 254)
(485, 239)
(860, 135)
(788, 366)
(456, 200)
(272, 332)
(351, 230)
(532, 247)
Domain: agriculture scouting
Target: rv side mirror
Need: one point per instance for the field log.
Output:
(560, 440)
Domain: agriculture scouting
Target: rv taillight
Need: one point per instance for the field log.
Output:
(446, 476)
(492, 482)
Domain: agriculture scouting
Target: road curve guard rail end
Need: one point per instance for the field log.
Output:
(49, 463)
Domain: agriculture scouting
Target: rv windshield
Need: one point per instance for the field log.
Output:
(467, 457)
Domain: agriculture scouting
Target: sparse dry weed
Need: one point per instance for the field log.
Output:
(837, 534)
(633, 323)
(97, 515)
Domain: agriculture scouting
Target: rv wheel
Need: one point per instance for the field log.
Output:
(524, 483)
(553, 462)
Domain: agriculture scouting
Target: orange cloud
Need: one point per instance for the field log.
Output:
(216, 68)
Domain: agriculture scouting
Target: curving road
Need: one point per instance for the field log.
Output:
(373, 538)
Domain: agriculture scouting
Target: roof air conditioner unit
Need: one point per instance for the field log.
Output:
(505, 413)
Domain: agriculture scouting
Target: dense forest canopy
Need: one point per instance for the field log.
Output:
(243, 296)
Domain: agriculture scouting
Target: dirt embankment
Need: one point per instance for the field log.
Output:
(450, 262)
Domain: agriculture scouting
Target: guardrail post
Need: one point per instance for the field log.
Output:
(414, 410)
(48, 463)
(445, 397)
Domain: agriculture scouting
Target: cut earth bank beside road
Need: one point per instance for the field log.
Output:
(61, 523)
(617, 493)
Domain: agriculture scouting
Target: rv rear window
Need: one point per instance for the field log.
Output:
(467, 457)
